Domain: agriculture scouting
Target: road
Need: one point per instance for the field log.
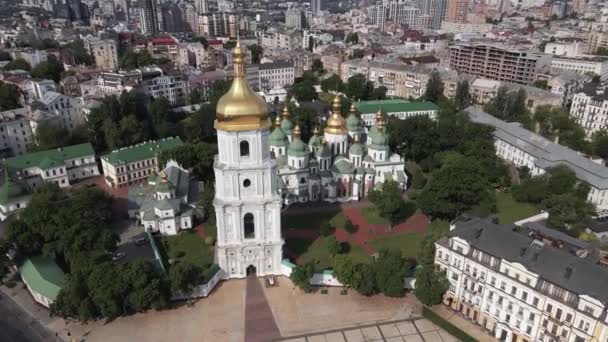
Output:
(17, 325)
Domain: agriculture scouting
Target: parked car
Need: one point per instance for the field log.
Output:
(118, 256)
(141, 241)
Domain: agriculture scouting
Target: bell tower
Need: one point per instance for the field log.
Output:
(247, 203)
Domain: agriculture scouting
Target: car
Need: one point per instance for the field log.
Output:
(118, 256)
(140, 241)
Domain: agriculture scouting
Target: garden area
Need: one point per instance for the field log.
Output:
(187, 246)
(509, 210)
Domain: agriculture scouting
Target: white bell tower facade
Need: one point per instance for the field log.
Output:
(247, 203)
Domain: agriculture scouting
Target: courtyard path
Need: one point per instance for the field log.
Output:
(260, 325)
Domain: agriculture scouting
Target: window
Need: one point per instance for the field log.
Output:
(246, 183)
(569, 317)
(524, 296)
(249, 226)
(531, 317)
(549, 308)
(535, 301)
(244, 147)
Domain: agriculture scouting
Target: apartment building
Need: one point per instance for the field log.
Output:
(276, 75)
(524, 284)
(521, 147)
(332, 58)
(397, 12)
(173, 87)
(36, 89)
(192, 54)
(62, 166)
(112, 83)
(280, 39)
(218, 24)
(590, 109)
(457, 11)
(566, 84)
(484, 90)
(494, 62)
(33, 57)
(17, 129)
(596, 40)
(105, 53)
(583, 65)
(134, 164)
(68, 109)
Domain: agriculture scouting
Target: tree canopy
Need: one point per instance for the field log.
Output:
(18, 64)
(51, 69)
(198, 156)
(390, 204)
(434, 87)
(9, 96)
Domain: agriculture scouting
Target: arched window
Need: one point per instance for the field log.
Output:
(249, 226)
(244, 145)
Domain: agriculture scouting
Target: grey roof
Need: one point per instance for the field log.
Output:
(276, 65)
(550, 263)
(556, 235)
(547, 153)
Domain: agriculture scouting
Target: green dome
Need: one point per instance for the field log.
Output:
(380, 139)
(287, 126)
(353, 123)
(297, 148)
(356, 149)
(11, 190)
(323, 152)
(278, 137)
(315, 140)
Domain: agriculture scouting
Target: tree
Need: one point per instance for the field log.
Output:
(5, 56)
(600, 144)
(350, 227)
(358, 88)
(256, 53)
(542, 84)
(199, 157)
(18, 64)
(325, 228)
(198, 126)
(9, 96)
(231, 44)
(389, 269)
(389, 203)
(195, 96)
(333, 246)
(568, 213)
(217, 90)
(147, 287)
(311, 44)
(333, 83)
(184, 277)
(458, 186)
(317, 66)
(51, 69)
(301, 274)
(463, 95)
(378, 93)
(430, 285)
(4, 260)
(601, 51)
(133, 60)
(344, 269)
(434, 87)
(364, 279)
(163, 119)
(352, 37)
(49, 136)
(304, 90)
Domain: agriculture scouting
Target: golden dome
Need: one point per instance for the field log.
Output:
(353, 109)
(297, 132)
(241, 109)
(286, 112)
(336, 123)
(277, 121)
(380, 119)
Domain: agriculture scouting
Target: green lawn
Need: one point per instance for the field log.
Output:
(317, 251)
(312, 220)
(188, 246)
(372, 216)
(509, 210)
(408, 243)
(210, 229)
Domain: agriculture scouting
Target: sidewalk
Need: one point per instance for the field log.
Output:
(470, 328)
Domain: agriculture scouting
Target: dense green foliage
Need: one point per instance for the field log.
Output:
(51, 69)
(390, 204)
(301, 274)
(133, 60)
(198, 157)
(434, 87)
(431, 284)
(9, 96)
(49, 136)
(18, 64)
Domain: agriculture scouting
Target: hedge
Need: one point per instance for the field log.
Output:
(447, 326)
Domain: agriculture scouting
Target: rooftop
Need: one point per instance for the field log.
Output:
(547, 153)
(42, 275)
(391, 106)
(50, 158)
(142, 151)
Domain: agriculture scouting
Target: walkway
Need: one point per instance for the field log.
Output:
(465, 325)
(260, 325)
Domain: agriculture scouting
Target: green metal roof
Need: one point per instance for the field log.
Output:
(287, 126)
(11, 190)
(278, 137)
(356, 149)
(42, 275)
(141, 151)
(297, 148)
(391, 106)
(50, 158)
(353, 123)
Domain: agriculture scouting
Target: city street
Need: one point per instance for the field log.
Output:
(18, 326)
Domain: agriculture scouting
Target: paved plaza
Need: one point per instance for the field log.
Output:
(415, 330)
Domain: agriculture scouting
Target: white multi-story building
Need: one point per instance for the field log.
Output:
(105, 53)
(33, 57)
(172, 87)
(523, 148)
(276, 75)
(67, 108)
(523, 286)
(134, 164)
(280, 39)
(583, 65)
(36, 89)
(247, 202)
(566, 48)
(17, 128)
(62, 166)
(590, 109)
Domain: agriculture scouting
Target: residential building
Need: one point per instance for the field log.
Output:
(165, 203)
(566, 84)
(457, 11)
(494, 62)
(33, 57)
(36, 89)
(163, 47)
(432, 12)
(394, 11)
(401, 109)
(280, 39)
(192, 54)
(566, 48)
(148, 17)
(105, 54)
(202, 6)
(332, 58)
(484, 90)
(519, 285)
(218, 24)
(521, 147)
(294, 18)
(63, 166)
(67, 108)
(112, 83)
(315, 6)
(14, 196)
(452, 27)
(583, 65)
(42, 277)
(17, 129)
(596, 40)
(590, 109)
(276, 75)
(134, 164)
(173, 87)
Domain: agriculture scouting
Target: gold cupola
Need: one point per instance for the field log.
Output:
(241, 109)
(336, 123)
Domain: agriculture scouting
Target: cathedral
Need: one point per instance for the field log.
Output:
(335, 166)
(258, 171)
